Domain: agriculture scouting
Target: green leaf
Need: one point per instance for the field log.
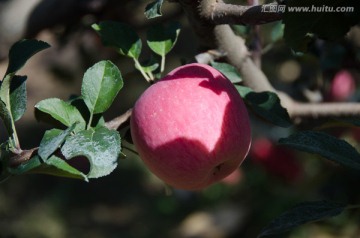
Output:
(243, 91)
(5, 91)
(52, 140)
(21, 51)
(62, 111)
(153, 9)
(149, 67)
(101, 146)
(18, 96)
(13, 104)
(12, 88)
(228, 71)
(161, 39)
(241, 30)
(302, 25)
(277, 32)
(98, 119)
(101, 84)
(327, 146)
(53, 166)
(120, 36)
(266, 105)
(62, 169)
(301, 214)
(6, 118)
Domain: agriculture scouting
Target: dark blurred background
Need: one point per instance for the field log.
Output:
(133, 203)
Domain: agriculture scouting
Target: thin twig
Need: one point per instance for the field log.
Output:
(209, 56)
(22, 157)
(118, 121)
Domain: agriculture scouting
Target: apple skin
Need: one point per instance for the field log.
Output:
(191, 128)
(342, 86)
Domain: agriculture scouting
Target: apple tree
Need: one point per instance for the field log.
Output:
(191, 126)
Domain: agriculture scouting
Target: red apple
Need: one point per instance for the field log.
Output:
(277, 161)
(342, 86)
(191, 128)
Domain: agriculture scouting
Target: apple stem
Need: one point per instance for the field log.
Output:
(90, 121)
(162, 67)
(139, 67)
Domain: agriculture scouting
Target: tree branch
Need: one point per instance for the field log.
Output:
(238, 55)
(221, 13)
(22, 157)
(253, 77)
(300, 110)
(204, 15)
(118, 121)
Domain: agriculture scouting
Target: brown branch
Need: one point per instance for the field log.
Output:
(254, 78)
(300, 110)
(204, 15)
(209, 56)
(221, 13)
(118, 121)
(202, 26)
(22, 157)
(238, 55)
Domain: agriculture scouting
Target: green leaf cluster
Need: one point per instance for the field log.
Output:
(160, 39)
(13, 97)
(86, 137)
(81, 146)
(331, 148)
(13, 87)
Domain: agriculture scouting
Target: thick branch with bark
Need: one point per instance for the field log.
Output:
(204, 15)
(221, 13)
(238, 55)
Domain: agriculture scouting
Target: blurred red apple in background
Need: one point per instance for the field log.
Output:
(342, 86)
(191, 128)
(233, 178)
(277, 161)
